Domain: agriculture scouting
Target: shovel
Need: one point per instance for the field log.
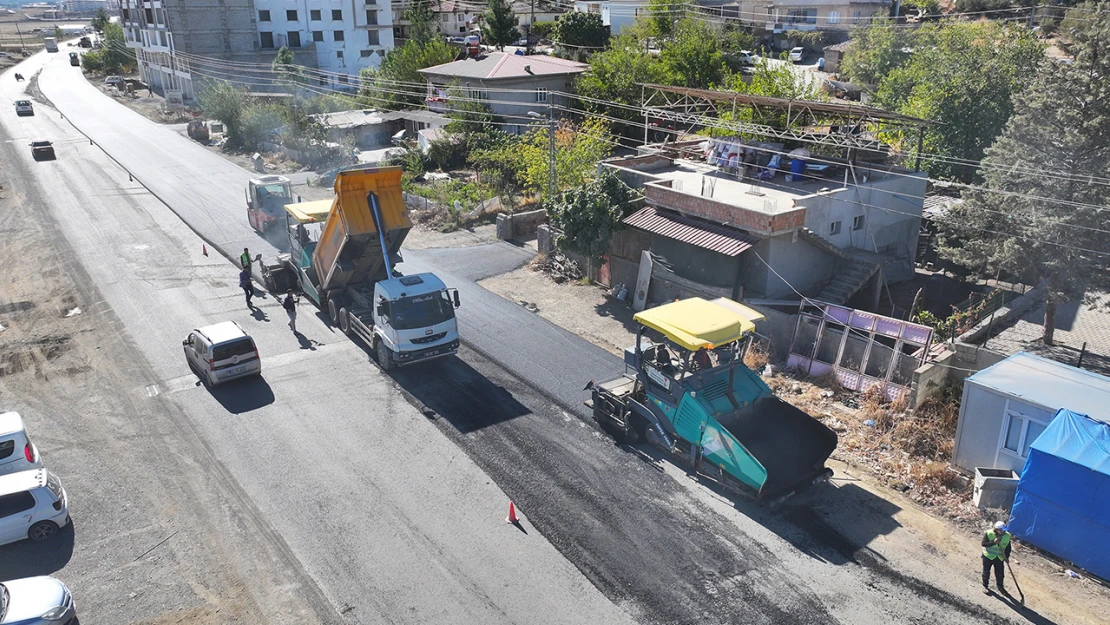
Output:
(1013, 577)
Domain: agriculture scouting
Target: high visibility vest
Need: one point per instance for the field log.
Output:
(245, 259)
(996, 552)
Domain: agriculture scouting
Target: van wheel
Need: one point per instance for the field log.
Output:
(43, 530)
(345, 321)
(385, 356)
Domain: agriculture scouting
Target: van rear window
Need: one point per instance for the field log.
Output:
(6, 449)
(238, 347)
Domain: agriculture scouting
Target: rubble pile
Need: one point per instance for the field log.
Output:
(559, 267)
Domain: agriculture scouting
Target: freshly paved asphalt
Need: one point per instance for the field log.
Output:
(651, 540)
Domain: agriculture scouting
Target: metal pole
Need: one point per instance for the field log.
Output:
(920, 146)
(20, 33)
(551, 152)
(1082, 352)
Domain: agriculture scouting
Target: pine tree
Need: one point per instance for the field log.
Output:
(1042, 214)
(499, 24)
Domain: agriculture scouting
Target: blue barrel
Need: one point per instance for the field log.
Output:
(797, 167)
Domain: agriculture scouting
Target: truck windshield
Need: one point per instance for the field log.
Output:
(274, 197)
(421, 311)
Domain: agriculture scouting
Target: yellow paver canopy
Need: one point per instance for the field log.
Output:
(695, 323)
(310, 212)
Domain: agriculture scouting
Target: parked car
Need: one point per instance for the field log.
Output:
(42, 150)
(24, 107)
(222, 352)
(747, 57)
(17, 452)
(796, 55)
(33, 505)
(42, 600)
(115, 81)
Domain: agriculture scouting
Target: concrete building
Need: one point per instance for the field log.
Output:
(85, 6)
(778, 16)
(752, 238)
(530, 79)
(616, 14)
(179, 43)
(1006, 406)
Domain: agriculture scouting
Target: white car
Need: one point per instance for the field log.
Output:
(221, 352)
(17, 452)
(24, 107)
(40, 600)
(33, 505)
(796, 54)
(115, 81)
(747, 57)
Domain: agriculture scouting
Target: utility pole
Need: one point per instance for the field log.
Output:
(551, 150)
(20, 33)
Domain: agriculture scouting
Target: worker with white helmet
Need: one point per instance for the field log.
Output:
(996, 550)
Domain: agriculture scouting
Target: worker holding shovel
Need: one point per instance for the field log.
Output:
(996, 550)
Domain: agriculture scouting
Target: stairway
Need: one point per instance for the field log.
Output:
(850, 277)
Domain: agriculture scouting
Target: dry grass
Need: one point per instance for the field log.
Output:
(757, 356)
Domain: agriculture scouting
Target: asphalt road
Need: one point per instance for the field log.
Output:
(663, 547)
(376, 516)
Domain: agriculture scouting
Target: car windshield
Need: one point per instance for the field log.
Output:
(22, 103)
(238, 347)
(40, 144)
(421, 311)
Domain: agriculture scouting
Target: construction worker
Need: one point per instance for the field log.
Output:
(247, 286)
(996, 550)
(290, 306)
(245, 259)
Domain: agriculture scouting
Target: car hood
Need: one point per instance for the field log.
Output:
(32, 597)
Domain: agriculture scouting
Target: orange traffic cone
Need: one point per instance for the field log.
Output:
(512, 518)
(204, 249)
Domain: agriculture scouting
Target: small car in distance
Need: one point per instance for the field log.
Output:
(221, 352)
(796, 54)
(747, 57)
(24, 107)
(17, 452)
(42, 600)
(33, 505)
(114, 81)
(41, 150)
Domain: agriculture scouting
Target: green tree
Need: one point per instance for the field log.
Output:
(1040, 216)
(100, 20)
(423, 28)
(467, 115)
(963, 77)
(777, 80)
(227, 103)
(59, 34)
(876, 50)
(577, 31)
(588, 214)
(692, 56)
(285, 68)
(616, 75)
(391, 85)
(577, 152)
(663, 16)
(499, 24)
(259, 122)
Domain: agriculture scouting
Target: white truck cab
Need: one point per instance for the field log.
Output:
(414, 319)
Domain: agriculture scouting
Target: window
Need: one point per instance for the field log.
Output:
(462, 18)
(462, 29)
(267, 40)
(263, 16)
(337, 15)
(314, 14)
(372, 36)
(1021, 431)
(338, 35)
(13, 504)
(834, 228)
(857, 222)
(294, 39)
(541, 95)
(7, 448)
(344, 80)
(338, 54)
(834, 17)
(445, 17)
(371, 17)
(366, 53)
(317, 35)
(291, 15)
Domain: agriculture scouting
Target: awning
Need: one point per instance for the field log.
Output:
(717, 238)
(694, 323)
(310, 212)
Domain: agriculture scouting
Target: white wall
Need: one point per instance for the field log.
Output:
(981, 431)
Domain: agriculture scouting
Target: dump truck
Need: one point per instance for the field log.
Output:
(686, 390)
(50, 43)
(341, 256)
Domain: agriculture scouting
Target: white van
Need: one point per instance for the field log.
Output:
(33, 505)
(17, 452)
(221, 352)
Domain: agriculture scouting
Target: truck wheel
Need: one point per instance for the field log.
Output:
(385, 356)
(345, 321)
(333, 312)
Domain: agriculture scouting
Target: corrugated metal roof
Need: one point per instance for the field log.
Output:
(714, 237)
(503, 66)
(1050, 384)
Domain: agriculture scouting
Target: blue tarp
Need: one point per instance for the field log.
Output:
(1062, 504)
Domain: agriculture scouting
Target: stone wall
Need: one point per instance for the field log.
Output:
(520, 225)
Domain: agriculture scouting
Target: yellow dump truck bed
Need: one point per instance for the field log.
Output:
(349, 250)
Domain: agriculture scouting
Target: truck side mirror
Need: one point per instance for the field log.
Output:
(457, 303)
(185, 342)
(382, 310)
